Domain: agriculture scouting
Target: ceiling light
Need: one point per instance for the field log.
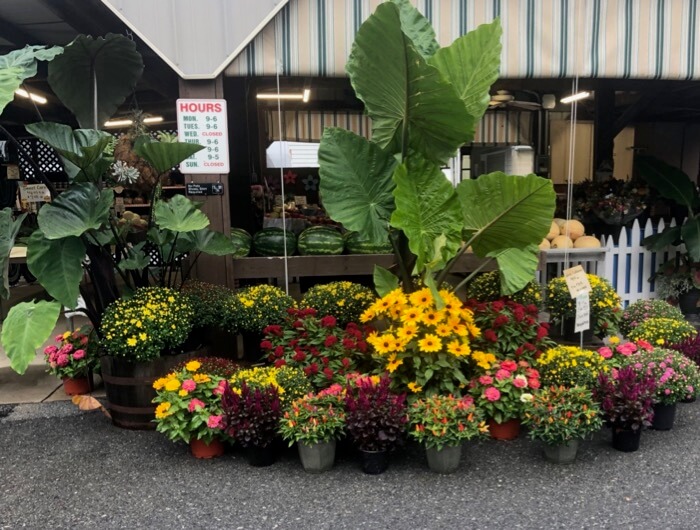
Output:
(29, 95)
(153, 119)
(126, 123)
(297, 97)
(575, 97)
(306, 96)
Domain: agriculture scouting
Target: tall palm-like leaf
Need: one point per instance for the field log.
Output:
(19, 65)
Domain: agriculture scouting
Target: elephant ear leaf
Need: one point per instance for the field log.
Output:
(516, 267)
(165, 155)
(19, 65)
(26, 328)
(206, 241)
(80, 208)
(417, 28)
(179, 214)
(384, 281)
(669, 181)
(9, 228)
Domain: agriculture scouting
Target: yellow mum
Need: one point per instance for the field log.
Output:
(430, 343)
(159, 383)
(172, 385)
(131, 341)
(162, 410)
(193, 366)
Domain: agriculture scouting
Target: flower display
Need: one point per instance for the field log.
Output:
(675, 375)
(254, 308)
(626, 398)
(209, 304)
(445, 421)
(690, 348)
(616, 353)
(251, 415)
(140, 328)
(487, 288)
(189, 403)
(663, 331)
(509, 329)
(346, 301)
(501, 390)
(642, 310)
(74, 356)
(423, 348)
(315, 418)
(571, 366)
(317, 345)
(605, 304)
(290, 383)
(557, 415)
(224, 368)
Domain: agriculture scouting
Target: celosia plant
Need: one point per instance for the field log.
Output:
(642, 310)
(675, 375)
(251, 415)
(445, 421)
(558, 415)
(253, 308)
(346, 301)
(487, 288)
(315, 418)
(626, 398)
(74, 357)
(571, 366)
(140, 328)
(209, 304)
(189, 404)
(663, 331)
(424, 349)
(690, 348)
(502, 390)
(290, 383)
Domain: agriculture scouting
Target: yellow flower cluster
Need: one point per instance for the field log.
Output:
(663, 331)
(290, 383)
(344, 300)
(254, 308)
(570, 366)
(484, 360)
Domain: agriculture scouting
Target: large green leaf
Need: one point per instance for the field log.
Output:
(690, 231)
(516, 267)
(26, 327)
(669, 181)
(80, 208)
(165, 155)
(57, 264)
(206, 241)
(506, 211)
(137, 259)
(19, 65)
(110, 63)
(81, 149)
(179, 214)
(670, 236)
(471, 64)
(356, 184)
(417, 28)
(426, 208)
(408, 100)
(9, 227)
(384, 281)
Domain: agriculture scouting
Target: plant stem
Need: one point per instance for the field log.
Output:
(171, 257)
(472, 274)
(395, 238)
(186, 276)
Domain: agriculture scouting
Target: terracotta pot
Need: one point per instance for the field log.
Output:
(508, 430)
(201, 449)
(76, 386)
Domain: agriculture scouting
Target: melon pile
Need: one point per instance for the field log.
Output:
(568, 234)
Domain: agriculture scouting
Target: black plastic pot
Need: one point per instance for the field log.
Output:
(374, 462)
(261, 456)
(664, 416)
(688, 302)
(626, 440)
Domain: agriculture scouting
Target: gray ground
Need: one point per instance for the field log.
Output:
(62, 468)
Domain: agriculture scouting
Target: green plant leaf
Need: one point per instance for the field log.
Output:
(471, 63)
(691, 237)
(516, 267)
(404, 95)
(669, 181)
(206, 241)
(417, 28)
(426, 208)
(165, 155)
(356, 185)
(384, 281)
(26, 327)
(670, 236)
(19, 65)
(80, 208)
(110, 63)
(506, 211)
(137, 260)
(57, 264)
(179, 214)
(9, 227)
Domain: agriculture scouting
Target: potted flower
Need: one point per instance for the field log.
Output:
(315, 422)
(571, 366)
(487, 288)
(660, 332)
(142, 337)
(346, 301)
(73, 360)
(560, 416)
(617, 353)
(290, 383)
(501, 392)
(375, 419)
(325, 351)
(691, 349)
(677, 282)
(626, 398)
(189, 408)
(211, 321)
(642, 310)
(251, 418)
(442, 423)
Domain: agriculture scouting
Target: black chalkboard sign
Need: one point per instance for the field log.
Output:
(204, 188)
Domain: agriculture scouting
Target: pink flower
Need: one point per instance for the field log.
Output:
(502, 374)
(627, 349)
(189, 385)
(605, 352)
(533, 383)
(667, 391)
(50, 349)
(79, 354)
(220, 389)
(511, 366)
(468, 401)
(492, 393)
(58, 338)
(66, 348)
(62, 360)
(214, 422)
(644, 345)
(486, 380)
(194, 404)
(520, 381)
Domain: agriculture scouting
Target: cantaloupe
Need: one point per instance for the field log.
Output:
(545, 245)
(559, 221)
(553, 231)
(562, 242)
(587, 242)
(572, 228)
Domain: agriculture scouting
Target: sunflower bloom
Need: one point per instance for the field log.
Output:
(411, 316)
(430, 343)
(421, 298)
(413, 387)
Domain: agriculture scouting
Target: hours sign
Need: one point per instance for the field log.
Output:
(203, 122)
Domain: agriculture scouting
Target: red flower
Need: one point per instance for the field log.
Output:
(509, 365)
(532, 309)
(533, 383)
(529, 347)
(519, 313)
(299, 356)
(279, 363)
(498, 305)
(298, 324)
(325, 361)
(328, 321)
(490, 335)
(345, 362)
(266, 345)
(328, 373)
(273, 330)
(502, 374)
(541, 332)
(330, 341)
(348, 344)
(362, 346)
(500, 320)
(519, 351)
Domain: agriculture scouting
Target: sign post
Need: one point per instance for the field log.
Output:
(204, 122)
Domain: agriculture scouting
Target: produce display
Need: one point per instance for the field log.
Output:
(270, 242)
(320, 241)
(243, 242)
(355, 244)
(568, 234)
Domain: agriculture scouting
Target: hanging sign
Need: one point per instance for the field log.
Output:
(577, 281)
(204, 188)
(204, 122)
(583, 313)
(34, 193)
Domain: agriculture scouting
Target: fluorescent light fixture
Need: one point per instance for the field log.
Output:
(34, 97)
(575, 97)
(126, 123)
(306, 95)
(153, 119)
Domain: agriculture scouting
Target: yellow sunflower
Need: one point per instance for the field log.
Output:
(430, 343)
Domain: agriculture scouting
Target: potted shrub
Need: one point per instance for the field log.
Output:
(560, 416)
(346, 301)
(441, 424)
(487, 288)
(500, 392)
(691, 349)
(626, 399)
(291, 383)
(661, 332)
(73, 360)
(642, 310)
(211, 320)
(375, 419)
(315, 422)
(571, 366)
(189, 408)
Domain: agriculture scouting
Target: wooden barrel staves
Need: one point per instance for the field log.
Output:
(129, 388)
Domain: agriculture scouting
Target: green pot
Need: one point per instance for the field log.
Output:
(317, 458)
(445, 460)
(561, 454)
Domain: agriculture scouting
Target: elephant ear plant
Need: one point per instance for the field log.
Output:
(78, 233)
(425, 102)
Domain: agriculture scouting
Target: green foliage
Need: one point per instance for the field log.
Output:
(384, 281)
(208, 302)
(9, 228)
(487, 288)
(346, 301)
(26, 327)
(179, 214)
(19, 65)
(163, 156)
(80, 208)
(313, 419)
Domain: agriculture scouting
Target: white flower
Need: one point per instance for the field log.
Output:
(526, 398)
(124, 173)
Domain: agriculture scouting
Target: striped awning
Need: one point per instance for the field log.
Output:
(643, 39)
(496, 127)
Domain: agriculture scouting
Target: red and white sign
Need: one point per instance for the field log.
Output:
(203, 122)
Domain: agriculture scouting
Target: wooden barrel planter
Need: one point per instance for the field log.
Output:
(129, 388)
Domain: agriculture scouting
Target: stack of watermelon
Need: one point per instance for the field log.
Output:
(355, 244)
(242, 241)
(270, 242)
(320, 241)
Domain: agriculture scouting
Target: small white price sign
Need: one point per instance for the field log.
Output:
(583, 313)
(577, 281)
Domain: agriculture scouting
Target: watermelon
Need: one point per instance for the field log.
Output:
(355, 244)
(242, 241)
(320, 240)
(270, 242)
